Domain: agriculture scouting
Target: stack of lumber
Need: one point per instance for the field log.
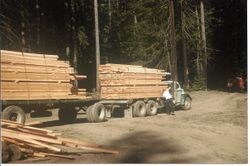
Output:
(20, 141)
(29, 76)
(129, 81)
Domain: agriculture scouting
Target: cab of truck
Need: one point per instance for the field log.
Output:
(182, 99)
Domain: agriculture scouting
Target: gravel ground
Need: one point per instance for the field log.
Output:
(213, 131)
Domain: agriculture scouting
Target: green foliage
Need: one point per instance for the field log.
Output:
(82, 39)
(145, 36)
(198, 83)
(131, 31)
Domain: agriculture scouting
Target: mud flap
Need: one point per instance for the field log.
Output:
(108, 113)
(128, 112)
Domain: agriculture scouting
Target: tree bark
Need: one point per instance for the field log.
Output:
(203, 38)
(110, 14)
(172, 41)
(73, 28)
(38, 22)
(23, 39)
(97, 44)
(135, 25)
(184, 49)
(198, 44)
(67, 29)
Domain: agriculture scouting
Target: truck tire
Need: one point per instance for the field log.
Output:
(67, 114)
(139, 109)
(14, 113)
(98, 112)
(151, 108)
(89, 113)
(187, 103)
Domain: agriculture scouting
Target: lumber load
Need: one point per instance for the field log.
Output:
(30, 76)
(120, 81)
(21, 141)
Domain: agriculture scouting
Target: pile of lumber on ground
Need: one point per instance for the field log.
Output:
(20, 141)
(129, 81)
(29, 76)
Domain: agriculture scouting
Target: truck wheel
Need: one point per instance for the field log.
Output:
(89, 113)
(98, 112)
(151, 108)
(14, 113)
(187, 104)
(67, 114)
(139, 109)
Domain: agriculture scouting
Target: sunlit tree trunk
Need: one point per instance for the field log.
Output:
(67, 29)
(198, 44)
(74, 39)
(97, 44)
(73, 29)
(184, 49)
(174, 70)
(203, 38)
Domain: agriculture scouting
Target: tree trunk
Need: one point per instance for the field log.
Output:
(97, 44)
(198, 53)
(23, 40)
(38, 22)
(67, 29)
(109, 33)
(172, 41)
(73, 28)
(110, 14)
(203, 38)
(135, 25)
(184, 49)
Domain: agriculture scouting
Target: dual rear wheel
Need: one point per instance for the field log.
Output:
(141, 109)
(96, 113)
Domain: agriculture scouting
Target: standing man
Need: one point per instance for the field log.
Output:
(169, 103)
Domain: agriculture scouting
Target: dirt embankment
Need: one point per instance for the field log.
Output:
(214, 131)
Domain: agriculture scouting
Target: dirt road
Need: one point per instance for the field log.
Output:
(214, 131)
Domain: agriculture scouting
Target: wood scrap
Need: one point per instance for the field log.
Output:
(20, 140)
(33, 123)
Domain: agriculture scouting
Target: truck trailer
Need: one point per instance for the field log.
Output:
(34, 83)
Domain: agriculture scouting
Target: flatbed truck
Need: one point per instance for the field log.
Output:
(96, 108)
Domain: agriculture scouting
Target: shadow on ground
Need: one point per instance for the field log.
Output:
(59, 123)
(145, 147)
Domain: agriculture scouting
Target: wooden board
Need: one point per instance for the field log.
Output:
(34, 69)
(138, 76)
(128, 68)
(130, 95)
(26, 54)
(131, 89)
(30, 76)
(128, 81)
(131, 82)
(34, 62)
(35, 76)
(35, 86)
(43, 97)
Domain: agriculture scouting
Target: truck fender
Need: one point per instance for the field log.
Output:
(186, 95)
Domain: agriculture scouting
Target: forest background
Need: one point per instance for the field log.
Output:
(164, 34)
